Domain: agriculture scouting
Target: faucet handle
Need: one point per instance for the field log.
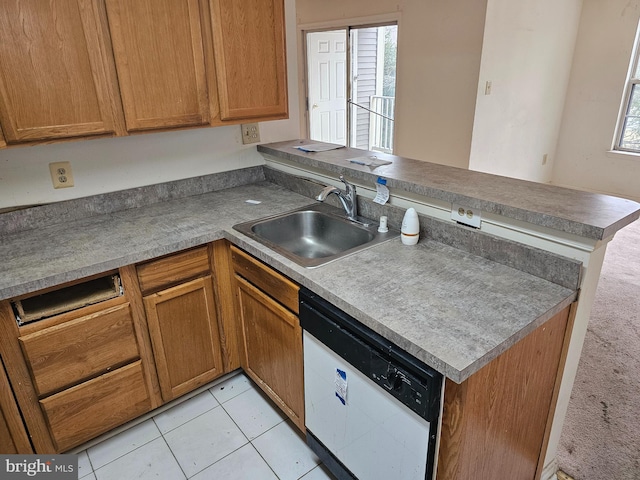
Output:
(349, 187)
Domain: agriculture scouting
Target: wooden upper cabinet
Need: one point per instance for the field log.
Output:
(76, 68)
(249, 49)
(159, 55)
(56, 76)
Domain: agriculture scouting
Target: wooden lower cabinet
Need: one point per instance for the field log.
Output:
(88, 356)
(80, 371)
(80, 413)
(74, 351)
(271, 333)
(496, 423)
(13, 435)
(184, 332)
(75, 375)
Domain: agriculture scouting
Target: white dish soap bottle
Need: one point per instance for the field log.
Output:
(410, 231)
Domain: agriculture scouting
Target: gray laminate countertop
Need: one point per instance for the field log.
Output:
(453, 310)
(585, 214)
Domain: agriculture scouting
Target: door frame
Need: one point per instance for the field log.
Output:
(342, 23)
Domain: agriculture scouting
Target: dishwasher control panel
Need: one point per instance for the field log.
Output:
(404, 377)
(401, 384)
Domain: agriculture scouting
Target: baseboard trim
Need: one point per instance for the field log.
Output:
(563, 476)
(550, 470)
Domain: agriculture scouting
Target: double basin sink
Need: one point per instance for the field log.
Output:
(314, 235)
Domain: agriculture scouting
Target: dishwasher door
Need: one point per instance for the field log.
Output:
(372, 433)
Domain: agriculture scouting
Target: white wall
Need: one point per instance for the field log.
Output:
(527, 53)
(439, 49)
(111, 164)
(601, 60)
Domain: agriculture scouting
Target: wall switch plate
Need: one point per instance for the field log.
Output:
(466, 215)
(61, 174)
(250, 133)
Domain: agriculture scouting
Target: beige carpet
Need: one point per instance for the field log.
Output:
(601, 436)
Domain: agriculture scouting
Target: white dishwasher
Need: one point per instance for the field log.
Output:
(371, 409)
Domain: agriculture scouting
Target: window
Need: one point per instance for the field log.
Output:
(628, 130)
(351, 78)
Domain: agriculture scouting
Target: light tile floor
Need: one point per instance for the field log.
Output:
(230, 431)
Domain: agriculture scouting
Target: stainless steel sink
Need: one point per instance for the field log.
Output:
(314, 235)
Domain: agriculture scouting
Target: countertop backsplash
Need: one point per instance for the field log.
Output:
(69, 210)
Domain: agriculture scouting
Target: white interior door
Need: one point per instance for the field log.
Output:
(327, 76)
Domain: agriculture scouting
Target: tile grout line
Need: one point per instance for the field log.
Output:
(174, 456)
(221, 405)
(251, 386)
(264, 459)
(126, 453)
(185, 422)
(250, 442)
(152, 418)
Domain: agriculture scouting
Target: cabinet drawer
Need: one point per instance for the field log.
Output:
(173, 269)
(265, 278)
(82, 412)
(74, 351)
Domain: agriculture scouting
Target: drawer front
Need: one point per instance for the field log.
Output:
(87, 410)
(266, 279)
(77, 350)
(173, 269)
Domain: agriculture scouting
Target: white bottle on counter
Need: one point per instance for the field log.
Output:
(410, 231)
(382, 227)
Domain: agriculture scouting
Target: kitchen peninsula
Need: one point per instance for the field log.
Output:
(458, 301)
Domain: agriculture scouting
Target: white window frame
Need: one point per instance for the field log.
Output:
(631, 81)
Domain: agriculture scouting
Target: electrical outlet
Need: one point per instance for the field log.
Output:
(466, 215)
(61, 174)
(250, 133)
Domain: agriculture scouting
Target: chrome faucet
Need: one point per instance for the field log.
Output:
(347, 198)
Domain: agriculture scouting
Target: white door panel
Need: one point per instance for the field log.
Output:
(326, 52)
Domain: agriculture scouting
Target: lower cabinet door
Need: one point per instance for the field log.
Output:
(13, 436)
(85, 411)
(7, 445)
(273, 349)
(184, 333)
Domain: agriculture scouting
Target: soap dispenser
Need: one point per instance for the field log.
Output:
(410, 231)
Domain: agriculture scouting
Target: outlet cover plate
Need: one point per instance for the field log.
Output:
(466, 215)
(250, 133)
(61, 174)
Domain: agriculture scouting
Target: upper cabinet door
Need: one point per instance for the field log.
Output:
(55, 71)
(249, 48)
(160, 61)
